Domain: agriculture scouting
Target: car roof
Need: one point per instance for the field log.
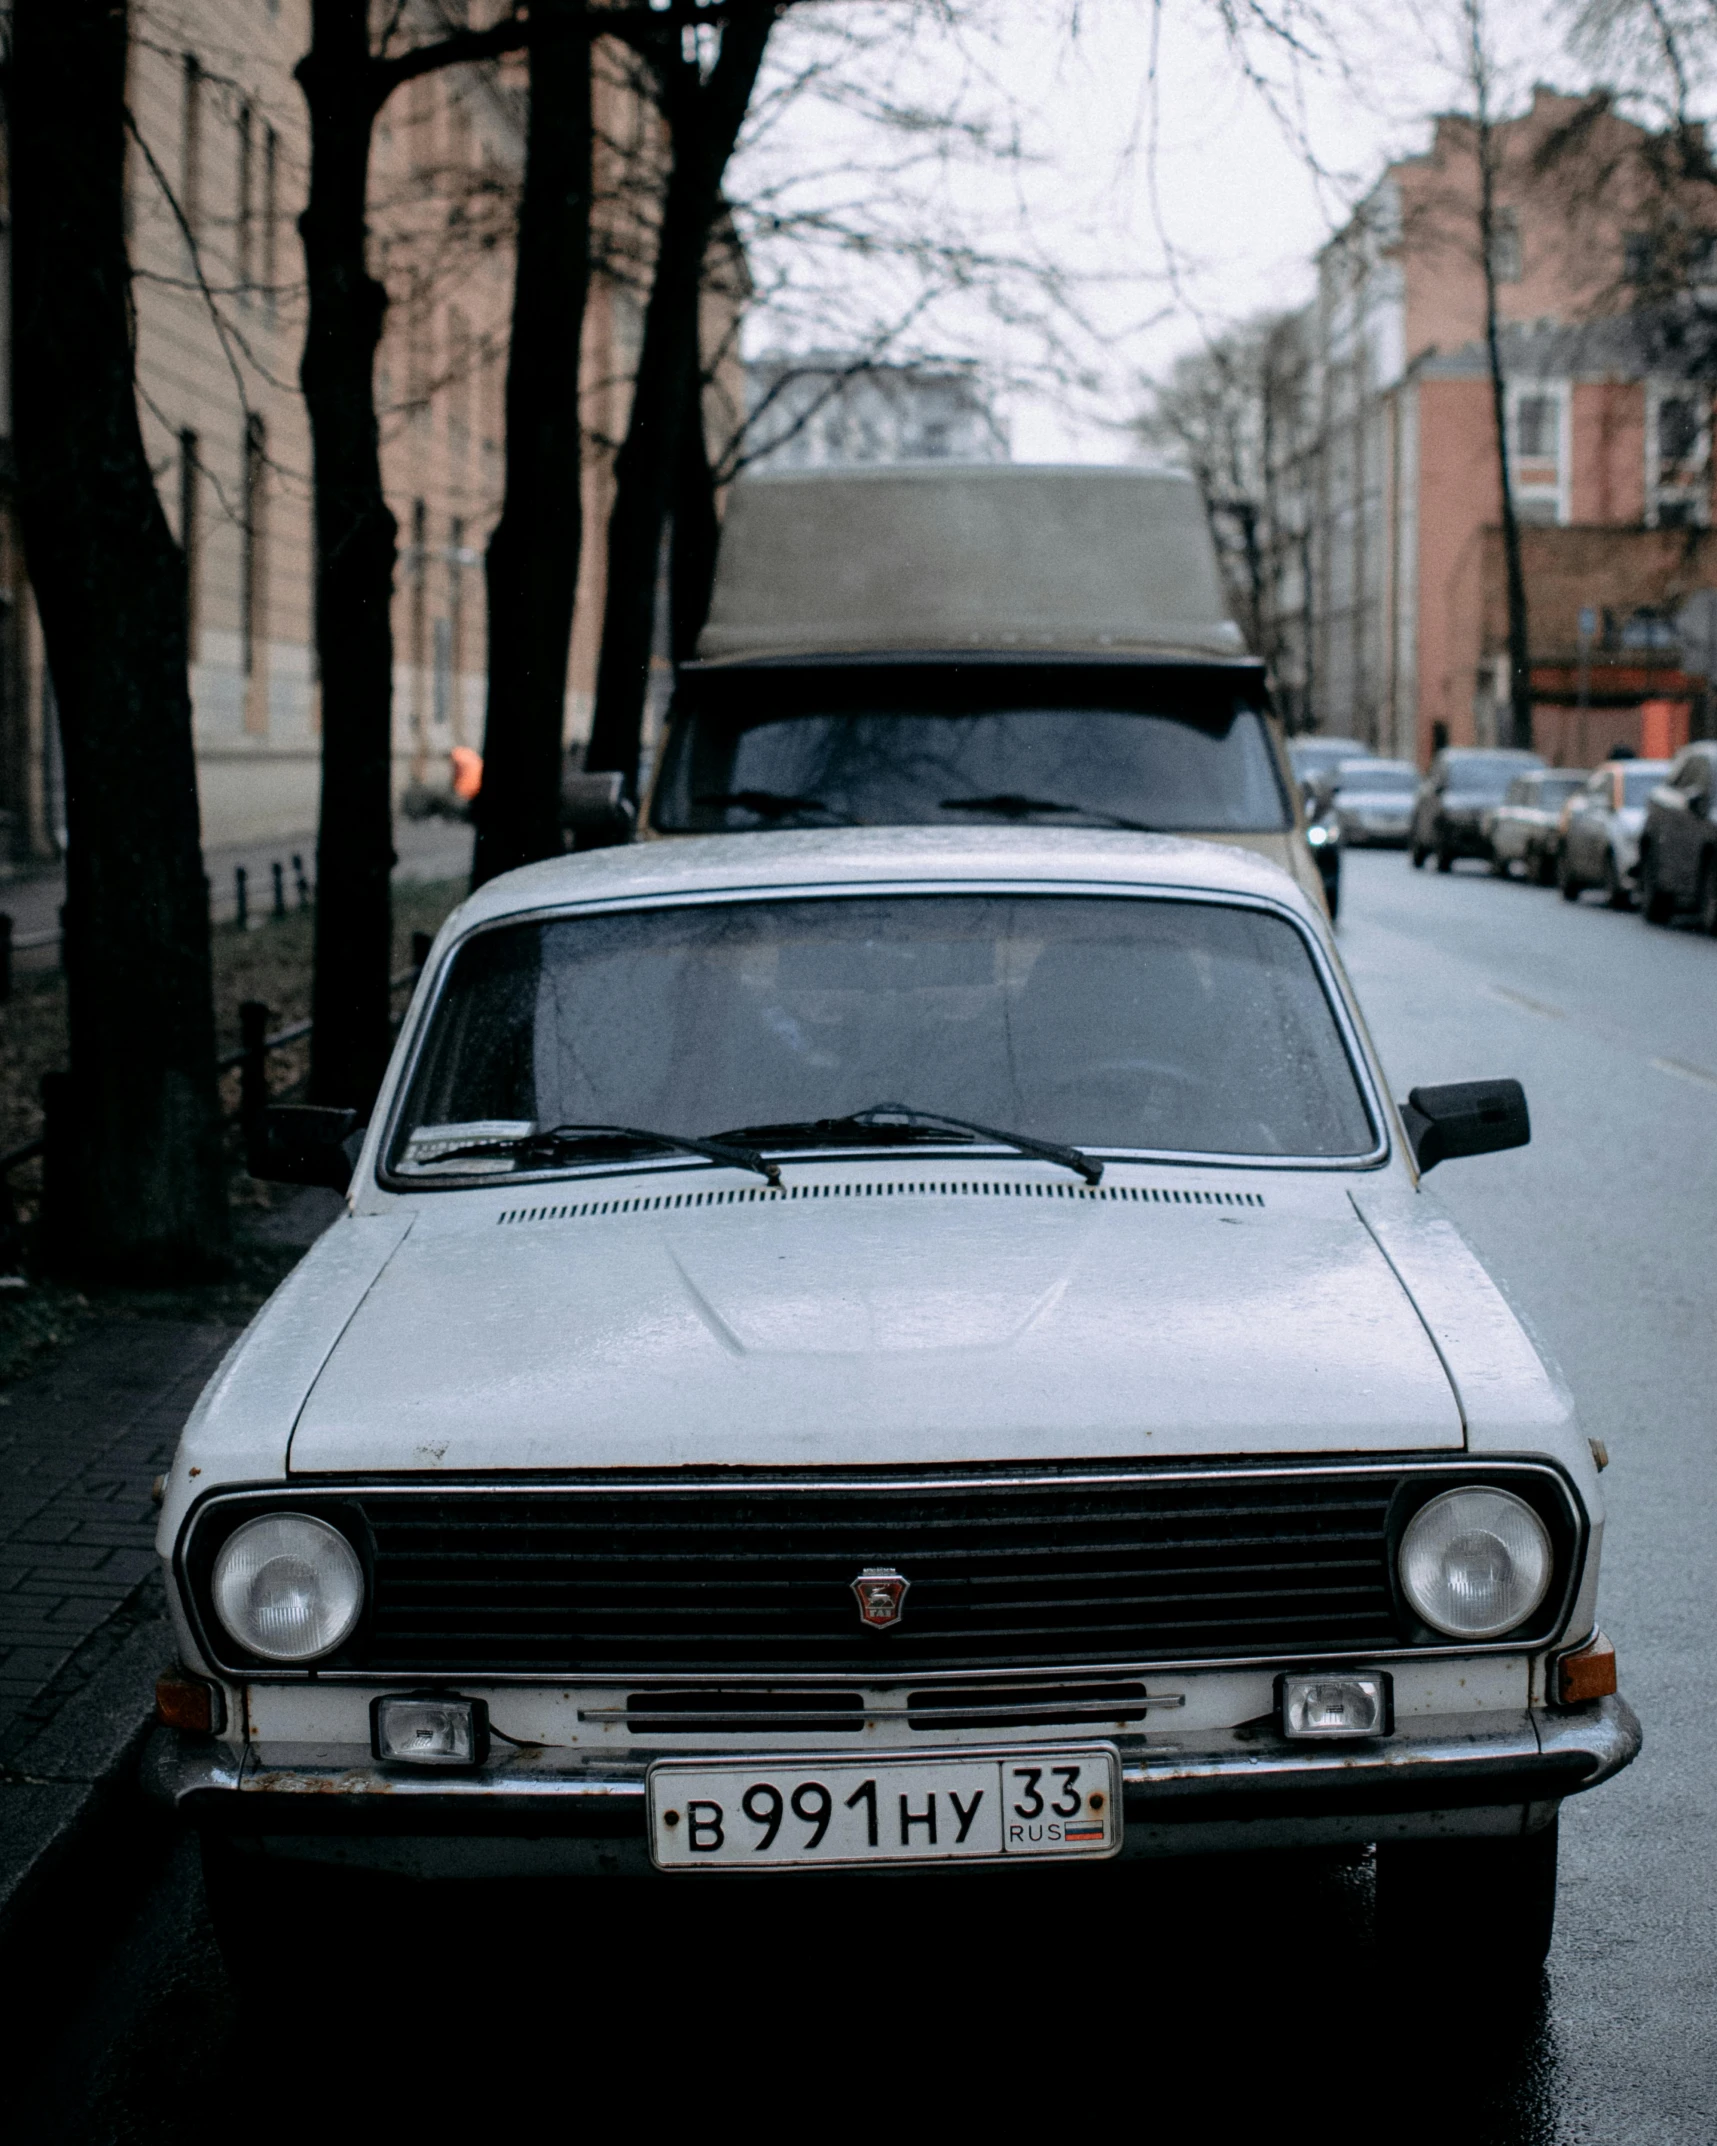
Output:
(1364, 763)
(813, 858)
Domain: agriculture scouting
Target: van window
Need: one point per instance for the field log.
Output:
(953, 747)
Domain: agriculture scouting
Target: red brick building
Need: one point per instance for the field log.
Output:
(1609, 444)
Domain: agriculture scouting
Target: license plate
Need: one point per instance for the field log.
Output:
(990, 1806)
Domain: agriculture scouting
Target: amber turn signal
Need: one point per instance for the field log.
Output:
(1590, 1674)
(183, 1701)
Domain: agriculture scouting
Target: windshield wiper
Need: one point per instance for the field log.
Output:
(549, 1142)
(878, 1118)
(770, 804)
(1009, 805)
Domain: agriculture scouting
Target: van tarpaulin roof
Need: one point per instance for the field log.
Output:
(982, 556)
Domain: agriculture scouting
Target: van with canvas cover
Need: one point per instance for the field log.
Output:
(949, 646)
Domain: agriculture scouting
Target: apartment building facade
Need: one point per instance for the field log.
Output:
(838, 409)
(1404, 634)
(215, 184)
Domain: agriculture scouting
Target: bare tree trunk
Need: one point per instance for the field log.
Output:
(355, 550)
(1246, 514)
(1519, 637)
(144, 1160)
(704, 118)
(534, 552)
(696, 532)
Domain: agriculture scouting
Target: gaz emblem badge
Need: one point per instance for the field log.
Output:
(881, 1596)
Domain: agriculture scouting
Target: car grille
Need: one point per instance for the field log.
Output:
(710, 1580)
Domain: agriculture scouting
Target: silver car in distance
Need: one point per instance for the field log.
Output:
(895, 1347)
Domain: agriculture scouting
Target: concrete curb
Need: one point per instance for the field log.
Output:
(67, 1781)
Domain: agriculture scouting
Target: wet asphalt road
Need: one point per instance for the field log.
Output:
(1223, 2001)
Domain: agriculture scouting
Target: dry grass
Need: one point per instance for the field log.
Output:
(271, 962)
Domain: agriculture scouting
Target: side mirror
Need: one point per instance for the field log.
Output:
(306, 1144)
(595, 811)
(1466, 1117)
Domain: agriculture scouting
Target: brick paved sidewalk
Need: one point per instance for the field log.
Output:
(83, 1625)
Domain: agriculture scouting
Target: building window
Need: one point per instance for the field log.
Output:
(190, 535)
(1678, 453)
(191, 148)
(246, 219)
(270, 211)
(456, 565)
(1506, 256)
(419, 355)
(1538, 458)
(253, 574)
(419, 624)
(458, 384)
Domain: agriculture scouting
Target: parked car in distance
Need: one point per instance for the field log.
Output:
(1374, 800)
(1002, 1395)
(1678, 843)
(1601, 832)
(1311, 754)
(1464, 782)
(1323, 836)
(1526, 828)
(939, 645)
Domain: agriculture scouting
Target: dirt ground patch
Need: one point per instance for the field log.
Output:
(270, 962)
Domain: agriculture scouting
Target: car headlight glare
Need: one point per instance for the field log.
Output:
(1475, 1563)
(288, 1588)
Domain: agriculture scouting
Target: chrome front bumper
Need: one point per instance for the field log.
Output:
(1450, 1775)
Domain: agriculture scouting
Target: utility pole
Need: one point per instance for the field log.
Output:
(1519, 647)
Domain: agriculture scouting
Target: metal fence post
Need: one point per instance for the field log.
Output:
(302, 883)
(279, 888)
(253, 1075)
(56, 1222)
(5, 957)
(241, 892)
(421, 942)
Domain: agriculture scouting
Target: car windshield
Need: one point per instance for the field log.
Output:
(1639, 782)
(1378, 781)
(955, 747)
(1557, 789)
(1123, 1023)
(1484, 774)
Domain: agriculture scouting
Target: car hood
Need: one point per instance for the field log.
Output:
(913, 1312)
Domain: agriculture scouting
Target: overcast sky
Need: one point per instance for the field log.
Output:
(1179, 201)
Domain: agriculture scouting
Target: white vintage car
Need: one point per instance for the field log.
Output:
(890, 1347)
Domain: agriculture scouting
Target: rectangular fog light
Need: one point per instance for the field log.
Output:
(1335, 1705)
(430, 1729)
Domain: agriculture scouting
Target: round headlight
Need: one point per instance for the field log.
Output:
(1475, 1563)
(288, 1587)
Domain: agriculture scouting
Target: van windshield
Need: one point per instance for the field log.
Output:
(954, 747)
(1120, 1023)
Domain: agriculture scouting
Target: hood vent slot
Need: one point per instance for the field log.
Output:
(927, 1188)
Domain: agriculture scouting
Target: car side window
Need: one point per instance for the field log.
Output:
(1688, 775)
